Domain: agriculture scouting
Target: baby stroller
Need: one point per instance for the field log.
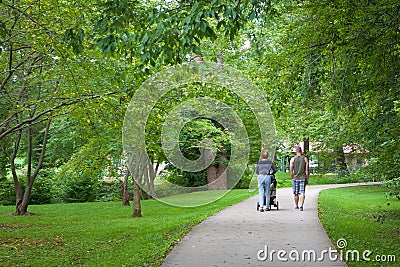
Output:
(272, 201)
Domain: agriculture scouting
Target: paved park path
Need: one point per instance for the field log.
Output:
(240, 235)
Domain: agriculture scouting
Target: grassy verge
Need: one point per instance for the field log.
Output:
(100, 234)
(284, 179)
(366, 219)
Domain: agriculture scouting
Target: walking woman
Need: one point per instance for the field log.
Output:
(265, 169)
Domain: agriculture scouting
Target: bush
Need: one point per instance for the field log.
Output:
(245, 180)
(42, 192)
(185, 179)
(7, 193)
(42, 189)
(87, 189)
(47, 190)
(80, 188)
(109, 190)
(3, 169)
(394, 186)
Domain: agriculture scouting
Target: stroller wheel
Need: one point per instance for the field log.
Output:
(258, 206)
(277, 205)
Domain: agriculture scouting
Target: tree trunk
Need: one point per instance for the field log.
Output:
(125, 191)
(222, 173)
(17, 185)
(306, 143)
(152, 176)
(22, 209)
(137, 209)
(138, 168)
(23, 202)
(143, 193)
(217, 178)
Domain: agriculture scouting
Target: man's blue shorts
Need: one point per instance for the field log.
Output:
(298, 186)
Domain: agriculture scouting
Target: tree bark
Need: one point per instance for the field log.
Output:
(306, 143)
(152, 176)
(217, 178)
(125, 191)
(146, 181)
(17, 185)
(139, 167)
(137, 208)
(23, 202)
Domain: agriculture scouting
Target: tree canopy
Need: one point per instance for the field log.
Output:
(342, 75)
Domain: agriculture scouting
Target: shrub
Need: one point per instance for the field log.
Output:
(4, 165)
(80, 188)
(7, 193)
(394, 186)
(42, 188)
(109, 190)
(42, 192)
(245, 180)
(185, 179)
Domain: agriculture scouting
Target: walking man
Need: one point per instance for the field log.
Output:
(299, 173)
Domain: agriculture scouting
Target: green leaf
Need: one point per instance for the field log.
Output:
(203, 26)
(145, 38)
(199, 16)
(160, 28)
(194, 8)
(3, 29)
(144, 57)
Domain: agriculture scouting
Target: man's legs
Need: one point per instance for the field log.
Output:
(295, 187)
(302, 198)
(296, 201)
(302, 194)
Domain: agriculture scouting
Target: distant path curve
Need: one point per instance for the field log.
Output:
(235, 235)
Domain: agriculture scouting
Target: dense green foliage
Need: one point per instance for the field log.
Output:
(50, 190)
(366, 219)
(338, 74)
(191, 136)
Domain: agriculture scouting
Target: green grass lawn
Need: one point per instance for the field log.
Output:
(366, 219)
(100, 234)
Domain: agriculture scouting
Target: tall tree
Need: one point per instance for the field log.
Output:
(172, 30)
(341, 60)
(41, 80)
(25, 90)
